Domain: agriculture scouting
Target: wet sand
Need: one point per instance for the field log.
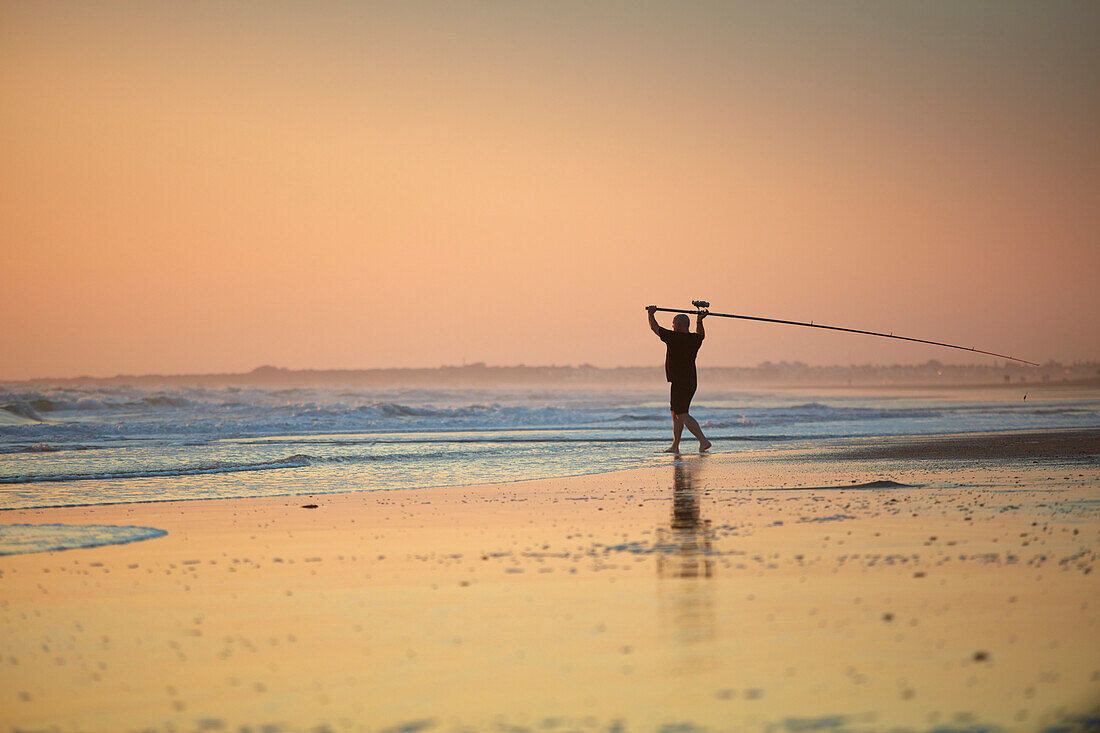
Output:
(940, 584)
(1065, 445)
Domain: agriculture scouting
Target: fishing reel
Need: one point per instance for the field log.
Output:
(702, 305)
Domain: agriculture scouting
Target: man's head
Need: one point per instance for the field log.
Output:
(680, 323)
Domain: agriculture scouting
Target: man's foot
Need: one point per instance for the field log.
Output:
(704, 445)
(672, 449)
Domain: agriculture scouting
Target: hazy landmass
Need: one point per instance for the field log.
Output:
(790, 374)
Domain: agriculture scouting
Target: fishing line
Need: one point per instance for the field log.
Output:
(702, 306)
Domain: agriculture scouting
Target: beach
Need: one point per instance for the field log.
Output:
(346, 344)
(916, 583)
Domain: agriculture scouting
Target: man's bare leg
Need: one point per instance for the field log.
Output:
(693, 426)
(677, 431)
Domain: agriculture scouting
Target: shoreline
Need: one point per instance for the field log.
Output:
(1057, 443)
(750, 590)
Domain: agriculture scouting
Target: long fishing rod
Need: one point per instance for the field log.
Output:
(702, 306)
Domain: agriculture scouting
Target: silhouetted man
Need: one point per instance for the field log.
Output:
(682, 346)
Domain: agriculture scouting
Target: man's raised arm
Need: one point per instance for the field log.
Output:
(699, 323)
(653, 325)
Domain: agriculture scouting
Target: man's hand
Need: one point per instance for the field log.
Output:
(703, 313)
(651, 308)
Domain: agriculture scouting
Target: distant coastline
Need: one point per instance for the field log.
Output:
(785, 374)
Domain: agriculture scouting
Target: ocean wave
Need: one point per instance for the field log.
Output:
(416, 456)
(45, 448)
(165, 401)
(299, 460)
(84, 414)
(394, 410)
(296, 461)
(398, 410)
(84, 403)
(1057, 411)
(477, 416)
(811, 412)
(22, 410)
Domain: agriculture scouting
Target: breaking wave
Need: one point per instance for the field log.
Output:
(78, 404)
(22, 410)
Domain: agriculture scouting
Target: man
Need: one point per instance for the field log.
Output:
(682, 346)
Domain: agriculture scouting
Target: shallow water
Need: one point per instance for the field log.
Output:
(21, 538)
(93, 445)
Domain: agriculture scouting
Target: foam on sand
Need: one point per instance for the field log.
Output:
(16, 539)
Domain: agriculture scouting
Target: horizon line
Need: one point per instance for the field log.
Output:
(271, 369)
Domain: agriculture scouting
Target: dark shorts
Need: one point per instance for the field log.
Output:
(680, 395)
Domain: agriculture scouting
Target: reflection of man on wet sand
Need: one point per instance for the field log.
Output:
(687, 541)
(681, 348)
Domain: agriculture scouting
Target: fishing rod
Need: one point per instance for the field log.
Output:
(702, 308)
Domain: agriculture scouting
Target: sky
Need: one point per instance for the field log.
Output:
(200, 186)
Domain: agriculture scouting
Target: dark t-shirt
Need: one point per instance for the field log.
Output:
(680, 354)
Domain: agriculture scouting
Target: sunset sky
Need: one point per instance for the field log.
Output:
(207, 187)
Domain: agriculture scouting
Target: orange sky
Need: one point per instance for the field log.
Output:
(199, 187)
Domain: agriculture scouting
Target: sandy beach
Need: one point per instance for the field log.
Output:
(343, 343)
(941, 584)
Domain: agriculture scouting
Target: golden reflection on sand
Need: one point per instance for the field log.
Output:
(685, 566)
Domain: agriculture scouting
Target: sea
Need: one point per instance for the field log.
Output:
(84, 445)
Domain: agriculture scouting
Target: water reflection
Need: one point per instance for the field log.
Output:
(685, 565)
(686, 544)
